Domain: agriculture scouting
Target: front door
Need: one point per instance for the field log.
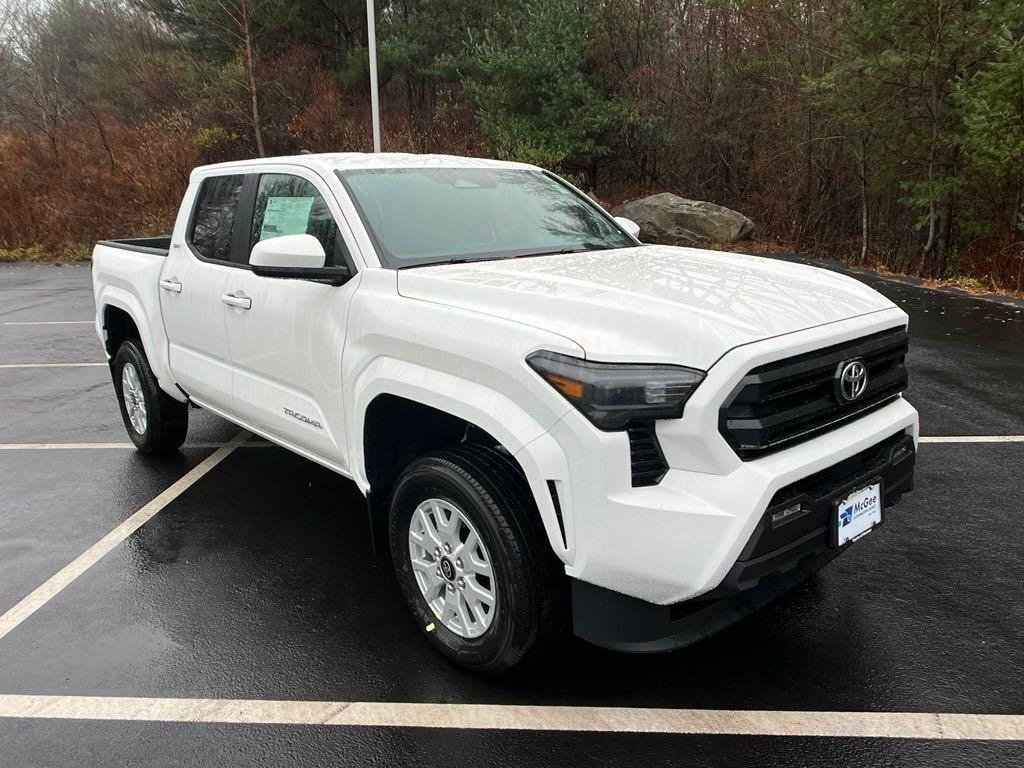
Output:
(287, 336)
(192, 286)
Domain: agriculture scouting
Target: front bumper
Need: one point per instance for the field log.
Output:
(777, 557)
(677, 540)
(681, 539)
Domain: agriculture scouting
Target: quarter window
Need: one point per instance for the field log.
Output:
(215, 216)
(290, 205)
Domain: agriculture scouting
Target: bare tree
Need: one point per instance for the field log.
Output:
(240, 13)
(38, 96)
(233, 22)
(7, 44)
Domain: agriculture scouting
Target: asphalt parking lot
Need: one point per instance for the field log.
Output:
(224, 607)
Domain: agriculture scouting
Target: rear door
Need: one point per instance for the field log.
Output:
(287, 339)
(192, 286)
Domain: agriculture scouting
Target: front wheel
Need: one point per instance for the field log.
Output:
(156, 422)
(473, 560)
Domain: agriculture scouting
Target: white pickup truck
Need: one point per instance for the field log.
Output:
(550, 421)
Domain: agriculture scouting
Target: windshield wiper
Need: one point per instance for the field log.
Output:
(477, 259)
(581, 248)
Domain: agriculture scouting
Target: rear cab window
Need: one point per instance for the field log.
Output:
(213, 218)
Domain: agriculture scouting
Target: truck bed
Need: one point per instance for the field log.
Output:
(160, 245)
(126, 277)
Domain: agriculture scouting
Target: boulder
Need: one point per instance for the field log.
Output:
(672, 220)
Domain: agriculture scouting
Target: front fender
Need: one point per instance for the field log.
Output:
(481, 405)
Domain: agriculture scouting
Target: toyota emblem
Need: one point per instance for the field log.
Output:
(851, 379)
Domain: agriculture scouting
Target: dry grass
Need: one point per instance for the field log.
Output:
(973, 286)
(39, 253)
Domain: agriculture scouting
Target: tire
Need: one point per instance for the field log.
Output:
(164, 421)
(529, 585)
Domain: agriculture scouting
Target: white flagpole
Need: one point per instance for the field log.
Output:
(371, 32)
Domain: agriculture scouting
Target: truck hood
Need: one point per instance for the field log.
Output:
(653, 303)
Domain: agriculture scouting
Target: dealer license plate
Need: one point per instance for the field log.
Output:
(858, 513)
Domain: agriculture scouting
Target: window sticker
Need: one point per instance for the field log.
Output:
(286, 216)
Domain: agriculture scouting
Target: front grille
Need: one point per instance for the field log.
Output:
(646, 462)
(785, 402)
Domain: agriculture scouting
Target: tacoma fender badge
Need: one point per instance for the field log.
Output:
(303, 418)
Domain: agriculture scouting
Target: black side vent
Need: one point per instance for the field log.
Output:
(646, 461)
(553, 490)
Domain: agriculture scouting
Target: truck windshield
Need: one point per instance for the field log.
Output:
(420, 216)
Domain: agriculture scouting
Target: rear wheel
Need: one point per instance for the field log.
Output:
(473, 560)
(156, 422)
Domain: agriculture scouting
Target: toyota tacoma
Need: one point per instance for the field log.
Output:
(552, 423)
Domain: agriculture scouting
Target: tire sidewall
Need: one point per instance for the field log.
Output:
(130, 353)
(415, 486)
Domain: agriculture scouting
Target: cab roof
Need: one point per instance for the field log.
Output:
(328, 162)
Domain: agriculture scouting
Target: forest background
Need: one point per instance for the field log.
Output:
(884, 133)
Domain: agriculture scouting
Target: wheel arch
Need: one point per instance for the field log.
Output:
(397, 425)
(123, 317)
(118, 327)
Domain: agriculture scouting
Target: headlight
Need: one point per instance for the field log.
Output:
(613, 395)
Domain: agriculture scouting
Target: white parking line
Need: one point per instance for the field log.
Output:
(891, 725)
(115, 446)
(975, 439)
(53, 322)
(79, 446)
(53, 365)
(49, 589)
(267, 444)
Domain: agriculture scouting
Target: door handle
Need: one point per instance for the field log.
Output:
(173, 286)
(242, 302)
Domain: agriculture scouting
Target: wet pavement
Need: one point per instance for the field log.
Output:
(63, 743)
(257, 583)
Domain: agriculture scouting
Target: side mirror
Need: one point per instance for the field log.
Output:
(629, 225)
(295, 257)
(288, 251)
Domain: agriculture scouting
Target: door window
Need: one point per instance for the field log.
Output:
(214, 217)
(290, 205)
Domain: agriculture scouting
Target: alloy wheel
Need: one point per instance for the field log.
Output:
(134, 399)
(452, 567)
